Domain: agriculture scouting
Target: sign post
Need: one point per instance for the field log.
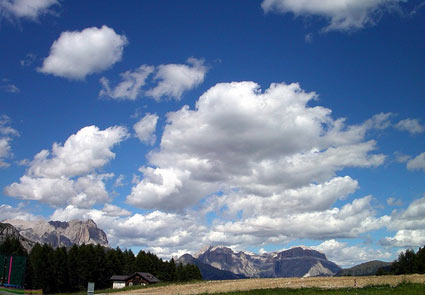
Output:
(90, 289)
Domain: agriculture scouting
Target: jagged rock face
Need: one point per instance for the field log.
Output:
(58, 234)
(295, 262)
(225, 259)
(9, 231)
(209, 272)
(318, 270)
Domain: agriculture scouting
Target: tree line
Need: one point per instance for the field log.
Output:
(63, 270)
(408, 262)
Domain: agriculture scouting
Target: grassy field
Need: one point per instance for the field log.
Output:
(403, 284)
(402, 289)
(9, 291)
(392, 285)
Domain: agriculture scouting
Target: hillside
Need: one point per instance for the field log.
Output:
(365, 269)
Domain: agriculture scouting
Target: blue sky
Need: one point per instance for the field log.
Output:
(258, 125)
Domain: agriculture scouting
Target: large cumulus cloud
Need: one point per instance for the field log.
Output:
(260, 143)
(68, 173)
(262, 166)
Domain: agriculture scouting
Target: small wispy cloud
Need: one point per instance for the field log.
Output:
(308, 38)
(28, 60)
(413, 126)
(168, 81)
(11, 88)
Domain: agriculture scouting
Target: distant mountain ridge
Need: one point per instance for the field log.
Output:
(295, 262)
(9, 231)
(364, 269)
(59, 233)
(209, 272)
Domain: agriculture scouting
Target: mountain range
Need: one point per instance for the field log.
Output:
(295, 262)
(54, 233)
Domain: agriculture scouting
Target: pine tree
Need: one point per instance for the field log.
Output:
(420, 260)
(129, 262)
(172, 270)
(73, 269)
(60, 262)
(42, 267)
(143, 262)
(114, 263)
(12, 246)
(101, 273)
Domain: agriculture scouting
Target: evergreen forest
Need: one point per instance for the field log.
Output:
(408, 262)
(63, 269)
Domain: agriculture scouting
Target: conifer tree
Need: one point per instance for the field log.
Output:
(12, 246)
(60, 266)
(73, 266)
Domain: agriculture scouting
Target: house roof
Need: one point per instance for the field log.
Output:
(144, 275)
(147, 277)
(118, 278)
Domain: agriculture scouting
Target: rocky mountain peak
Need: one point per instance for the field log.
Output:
(59, 224)
(301, 252)
(9, 231)
(60, 233)
(213, 249)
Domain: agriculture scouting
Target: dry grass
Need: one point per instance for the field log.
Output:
(212, 287)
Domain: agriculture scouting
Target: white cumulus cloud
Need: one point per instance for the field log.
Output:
(30, 9)
(172, 233)
(342, 15)
(259, 143)
(174, 79)
(168, 80)
(83, 152)
(417, 163)
(265, 164)
(409, 225)
(114, 211)
(129, 87)
(145, 128)
(77, 54)
(413, 126)
(10, 212)
(349, 221)
(347, 256)
(84, 191)
(310, 198)
(406, 238)
(67, 173)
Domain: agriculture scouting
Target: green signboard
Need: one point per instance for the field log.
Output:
(12, 270)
